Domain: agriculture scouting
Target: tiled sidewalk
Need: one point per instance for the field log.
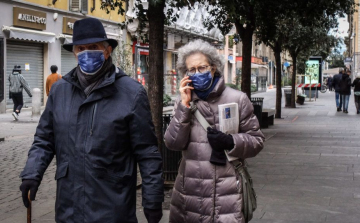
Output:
(309, 170)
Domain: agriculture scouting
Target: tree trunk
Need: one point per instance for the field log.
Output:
(277, 52)
(156, 19)
(293, 80)
(246, 61)
(246, 35)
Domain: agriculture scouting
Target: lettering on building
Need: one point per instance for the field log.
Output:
(32, 18)
(70, 25)
(27, 18)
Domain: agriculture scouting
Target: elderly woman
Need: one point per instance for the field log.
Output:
(206, 188)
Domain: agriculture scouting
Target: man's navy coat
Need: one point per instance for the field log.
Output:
(98, 140)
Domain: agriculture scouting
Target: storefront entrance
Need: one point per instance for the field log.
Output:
(68, 61)
(30, 56)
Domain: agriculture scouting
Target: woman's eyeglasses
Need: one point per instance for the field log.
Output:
(201, 69)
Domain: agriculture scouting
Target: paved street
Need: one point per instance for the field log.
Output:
(309, 170)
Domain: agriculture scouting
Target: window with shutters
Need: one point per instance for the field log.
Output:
(84, 6)
(79, 6)
(75, 5)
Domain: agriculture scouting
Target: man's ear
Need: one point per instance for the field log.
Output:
(107, 52)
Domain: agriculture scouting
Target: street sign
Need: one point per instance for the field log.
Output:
(348, 60)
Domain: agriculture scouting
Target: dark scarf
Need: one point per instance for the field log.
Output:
(204, 94)
(89, 82)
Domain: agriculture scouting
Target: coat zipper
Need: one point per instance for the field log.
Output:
(214, 210)
(92, 119)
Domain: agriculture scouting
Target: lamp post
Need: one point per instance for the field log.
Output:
(354, 54)
(226, 51)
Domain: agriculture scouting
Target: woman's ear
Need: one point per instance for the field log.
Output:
(213, 70)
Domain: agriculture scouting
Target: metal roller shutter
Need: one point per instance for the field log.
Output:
(68, 62)
(20, 53)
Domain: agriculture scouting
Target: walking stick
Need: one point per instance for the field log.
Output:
(29, 210)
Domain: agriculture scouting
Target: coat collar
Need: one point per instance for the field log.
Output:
(105, 89)
(216, 92)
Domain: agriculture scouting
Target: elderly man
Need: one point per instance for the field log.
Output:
(97, 122)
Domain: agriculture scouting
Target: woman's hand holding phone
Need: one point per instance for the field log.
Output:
(185, 91)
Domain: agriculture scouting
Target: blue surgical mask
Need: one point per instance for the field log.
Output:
(201, 81)
(91, 61)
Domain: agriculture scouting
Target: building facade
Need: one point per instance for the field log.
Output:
(32, 33)
(263, 67)
(353, 47)
(189, 26)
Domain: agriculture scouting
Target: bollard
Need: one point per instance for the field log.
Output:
(36, 101)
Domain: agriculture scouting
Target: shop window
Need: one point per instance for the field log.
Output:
(174, 60)
(141, 63)
(171, 77)
(144, 64)
(79, 6)
(143, 69)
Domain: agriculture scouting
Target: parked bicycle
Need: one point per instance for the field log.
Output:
(324, 88)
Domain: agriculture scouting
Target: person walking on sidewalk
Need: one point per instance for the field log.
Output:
(16, 85)
(206, 187)
(336, 85)
(52, 78)
(329, 82)
(356, 85)
(97, 122)
(345, 90)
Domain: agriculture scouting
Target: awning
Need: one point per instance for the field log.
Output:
(113, 36)
(65, 38)
(28, 34)
(286, 64)
(253, 65)
(331, 71)
(68, 39)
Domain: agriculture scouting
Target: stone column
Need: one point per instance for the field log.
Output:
(36, 101)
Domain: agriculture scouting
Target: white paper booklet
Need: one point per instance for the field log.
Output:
(229, 118)
(229, 121)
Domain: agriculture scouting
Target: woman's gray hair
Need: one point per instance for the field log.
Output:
(199, 46)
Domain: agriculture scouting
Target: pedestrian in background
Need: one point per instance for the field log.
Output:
(206, 188)
(336, 85)
(52, 78)
(97, 123)
(345, 90)
(17, 84)
(329, 82)
(356, 85)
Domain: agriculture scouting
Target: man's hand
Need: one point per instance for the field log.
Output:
(153, 215)
(219, 141)
(25, 187)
